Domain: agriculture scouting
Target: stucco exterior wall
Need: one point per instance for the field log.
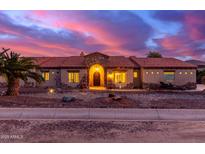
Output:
(53, 73)
(129, 77)
(156, 76)
(137, 80)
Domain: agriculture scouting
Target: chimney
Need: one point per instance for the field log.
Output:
(82, 54)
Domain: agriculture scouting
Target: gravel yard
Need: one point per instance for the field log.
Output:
(98, 131)
(169, 100)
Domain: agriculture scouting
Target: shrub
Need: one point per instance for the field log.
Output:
(203, 80)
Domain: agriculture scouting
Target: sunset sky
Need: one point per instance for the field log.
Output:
(179, 34)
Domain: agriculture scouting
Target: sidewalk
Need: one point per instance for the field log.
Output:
(103, 114)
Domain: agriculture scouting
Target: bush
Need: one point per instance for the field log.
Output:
(83, 83)
(110, 84)
(203, 80)
(199, 76)
(129, 86)
(153, 86)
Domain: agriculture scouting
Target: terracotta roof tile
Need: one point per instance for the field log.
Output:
(161, 63)
(49, 62)
(114, 61)
(120, 61)
(73, 61)
(78, 61)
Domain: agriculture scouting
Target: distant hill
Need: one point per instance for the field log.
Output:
(198, 63)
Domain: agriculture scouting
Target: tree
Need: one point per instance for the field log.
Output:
(16, 68)
(200, 77)
(154, 54)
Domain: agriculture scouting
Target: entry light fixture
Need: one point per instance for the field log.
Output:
(51, 91)
(97, 68)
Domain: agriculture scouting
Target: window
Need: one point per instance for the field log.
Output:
(135, 74)
(45, 75)
(73, 77)
(120, 77)
(110, 76)
(169, 75)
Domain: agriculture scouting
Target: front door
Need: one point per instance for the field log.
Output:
(96, 79)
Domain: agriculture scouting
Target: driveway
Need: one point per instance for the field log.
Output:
(200, 87)
(102, 114)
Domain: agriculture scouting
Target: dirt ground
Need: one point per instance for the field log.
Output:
(93, 131)
(168, 100)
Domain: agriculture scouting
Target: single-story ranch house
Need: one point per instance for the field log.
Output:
(97, 70)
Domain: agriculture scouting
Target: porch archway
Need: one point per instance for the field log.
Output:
(96, 76)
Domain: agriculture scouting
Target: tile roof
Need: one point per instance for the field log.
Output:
(57, 62)
(161, 63)
(113, 61)
(49, 62)
(120, 61)
(78, 61)
(73, 61)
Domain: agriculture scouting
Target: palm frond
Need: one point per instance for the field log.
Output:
(15, 66)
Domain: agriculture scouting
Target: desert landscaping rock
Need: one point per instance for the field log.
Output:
(163, 100)
(67, 99)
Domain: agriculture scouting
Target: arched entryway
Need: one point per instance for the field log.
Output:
(96, 76)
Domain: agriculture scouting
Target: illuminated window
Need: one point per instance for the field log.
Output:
(186, 73)
(45, 75)
(180, 72)
(191, 72)
(147, 72)
(73, 77)
(110, 76)
(120, 77)
(135, 74)
(169, 75)
(152, 72)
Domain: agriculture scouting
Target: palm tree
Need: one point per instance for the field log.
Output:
(16, 68)
(154, 54)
